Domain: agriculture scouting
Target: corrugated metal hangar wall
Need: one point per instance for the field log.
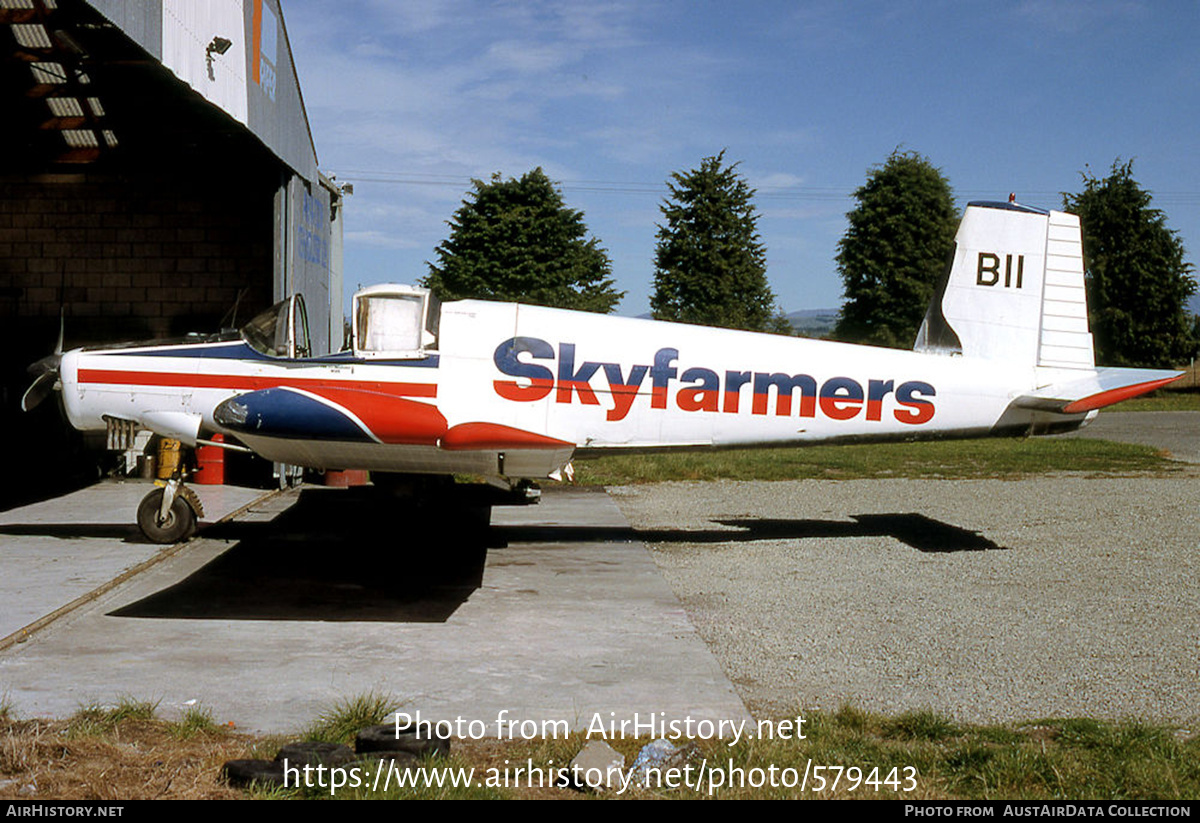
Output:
(157, 178)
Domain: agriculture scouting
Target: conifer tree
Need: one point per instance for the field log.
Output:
(1137, 279)
(516, 240)
(710, 264)
(894, 252)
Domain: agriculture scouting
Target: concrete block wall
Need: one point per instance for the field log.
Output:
(132, 256)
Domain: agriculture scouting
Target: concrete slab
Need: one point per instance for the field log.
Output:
(564, 616)
(61, 549)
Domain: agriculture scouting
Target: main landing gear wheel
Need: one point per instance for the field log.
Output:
(179, 524)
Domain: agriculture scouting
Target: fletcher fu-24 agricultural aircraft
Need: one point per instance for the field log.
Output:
(515, 392)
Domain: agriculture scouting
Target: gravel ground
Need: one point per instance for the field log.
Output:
(986, 600)
(1176, 432)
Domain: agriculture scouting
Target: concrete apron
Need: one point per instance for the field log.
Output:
(556, 614)
(59, 550)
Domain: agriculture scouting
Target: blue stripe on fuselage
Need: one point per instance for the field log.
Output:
(285, 413)
(243, 351)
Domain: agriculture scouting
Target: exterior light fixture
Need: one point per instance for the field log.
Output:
(219, 45)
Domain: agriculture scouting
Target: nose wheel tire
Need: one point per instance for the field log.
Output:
(179, 525)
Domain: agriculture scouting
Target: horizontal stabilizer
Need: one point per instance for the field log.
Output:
(1100, 388)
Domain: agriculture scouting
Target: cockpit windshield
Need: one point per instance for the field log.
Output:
(280, 331)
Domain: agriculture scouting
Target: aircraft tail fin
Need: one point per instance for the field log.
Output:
(1014, 290)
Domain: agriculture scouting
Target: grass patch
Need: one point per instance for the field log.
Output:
(920, 725)
(1098, 759)
(94, 719)
(114, 753)
(952, 459)
(195, 721)
(142, 757)
(342, 721)
(1053, 759)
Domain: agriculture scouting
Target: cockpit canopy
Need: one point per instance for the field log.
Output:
(390, 321)
(395, 322)
(280, 331)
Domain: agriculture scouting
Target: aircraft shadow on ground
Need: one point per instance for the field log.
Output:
(336, 555)
(916, 530)
(357, 555)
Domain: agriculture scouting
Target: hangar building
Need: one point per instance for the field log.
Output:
(157, 178)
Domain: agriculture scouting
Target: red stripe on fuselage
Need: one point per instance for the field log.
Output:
(249, 382)
(489, 436)
(392, 419)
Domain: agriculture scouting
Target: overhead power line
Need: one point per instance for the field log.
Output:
(798, 193)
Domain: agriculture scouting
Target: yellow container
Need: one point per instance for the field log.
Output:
(169, 454)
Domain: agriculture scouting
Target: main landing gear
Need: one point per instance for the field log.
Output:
(168, 514)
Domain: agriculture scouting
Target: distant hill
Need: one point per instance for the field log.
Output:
(813, 322)
(807, 323)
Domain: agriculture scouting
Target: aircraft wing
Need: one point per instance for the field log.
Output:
(1101, 387)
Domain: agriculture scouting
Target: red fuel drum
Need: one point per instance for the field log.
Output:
(210, 463)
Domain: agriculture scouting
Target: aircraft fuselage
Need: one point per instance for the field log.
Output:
(517, 390)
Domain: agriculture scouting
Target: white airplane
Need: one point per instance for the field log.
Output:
(515, 392)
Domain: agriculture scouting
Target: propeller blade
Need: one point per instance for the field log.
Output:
(40, 389)
(45, 371)
(46, 365)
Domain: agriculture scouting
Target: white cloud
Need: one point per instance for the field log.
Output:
(379, 239)
(1067, 17)
(773, 180)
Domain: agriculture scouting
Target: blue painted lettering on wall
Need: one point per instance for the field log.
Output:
(312, 234)
(268, 51)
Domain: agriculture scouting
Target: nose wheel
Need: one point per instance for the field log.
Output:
(168, 515)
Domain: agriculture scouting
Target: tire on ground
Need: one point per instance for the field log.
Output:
(241, 774)
(316, 754)
(179, 525)
(383, 738)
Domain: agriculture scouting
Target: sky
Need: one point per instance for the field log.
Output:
(411, 100)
